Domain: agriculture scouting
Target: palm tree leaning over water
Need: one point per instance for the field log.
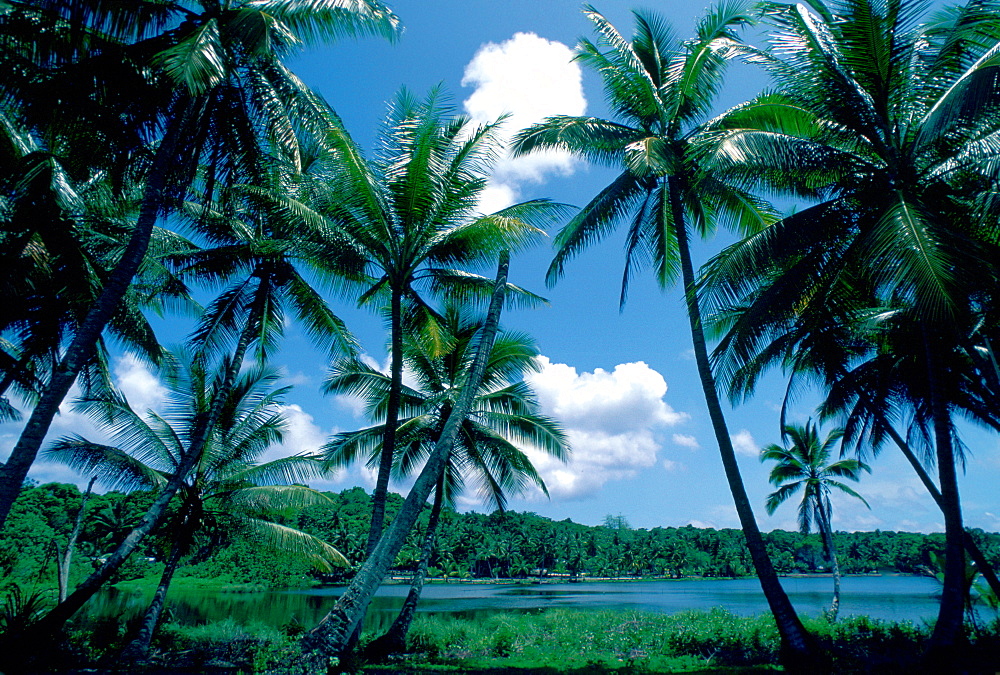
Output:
(228, 490)
(224, 98)
(661, 90)
(803, 466)
(892, 125)
(504, 416)
(332, 637)
(410, 214)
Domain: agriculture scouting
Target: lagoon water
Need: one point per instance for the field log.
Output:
(884, 597)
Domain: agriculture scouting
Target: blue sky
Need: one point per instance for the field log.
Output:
(623, 383)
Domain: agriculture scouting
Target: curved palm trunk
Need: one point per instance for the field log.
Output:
(62, 612)
(15, 470)
(381, 491)
(138, 649)
(982, 564)
(795, 641)
(62, 570)
(394, 640)
(948, 628)
(331, 637)
(823, 515)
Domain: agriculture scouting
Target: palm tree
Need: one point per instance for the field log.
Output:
(229, 490)
(60, 238)
(224, 99)
(661, 90)
(411, 215)
(332, 637)
(889, 123)
(826, 341)
(254, 234)
(804, 466)
(504, 416)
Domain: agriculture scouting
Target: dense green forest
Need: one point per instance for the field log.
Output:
(469, 545)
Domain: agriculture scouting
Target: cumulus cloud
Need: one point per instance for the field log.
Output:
(527, 78)
(672, 466)
(141, 387)
(744, 444)
(613, 421)
(685, 441)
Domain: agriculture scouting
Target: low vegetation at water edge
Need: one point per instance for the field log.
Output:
(554, 641)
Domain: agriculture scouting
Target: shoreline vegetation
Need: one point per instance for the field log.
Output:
(223, 586)
(557, 641)
(471, 547)
(589, 640)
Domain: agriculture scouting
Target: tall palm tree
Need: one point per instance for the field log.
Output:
(223, 99)
(411, 214)
(504, 416)
(890, 124)
(805, 466)
(229, 489)
(333, 635)
(661, 90)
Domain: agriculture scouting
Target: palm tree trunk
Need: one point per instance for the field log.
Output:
(62, 612)
(795, 641)
(380, 494)
(982, 564)
(63, 567)
(331, 637)
(15, 470)
(138, 649)
(948, 628)
(394, 640)
(823, 515)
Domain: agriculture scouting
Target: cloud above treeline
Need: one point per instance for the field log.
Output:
(614, 420)
(527, 78)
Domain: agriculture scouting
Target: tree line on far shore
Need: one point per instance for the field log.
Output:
(510, 544)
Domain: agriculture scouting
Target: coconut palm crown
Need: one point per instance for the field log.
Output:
(661, 90)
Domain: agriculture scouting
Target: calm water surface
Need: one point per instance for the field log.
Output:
(889, 597)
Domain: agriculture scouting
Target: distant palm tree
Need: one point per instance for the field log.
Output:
(504, 419)
(228, 491)
(411, 215)
(661, 90)
(803, 466)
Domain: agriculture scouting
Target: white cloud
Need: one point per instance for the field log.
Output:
(141, 387)
(302, 434)
(527, 78)
(685, 441)
(744, 444)
(672, 466)
(612, 420)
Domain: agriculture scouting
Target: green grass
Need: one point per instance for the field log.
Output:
(554, 642)
(573, 641)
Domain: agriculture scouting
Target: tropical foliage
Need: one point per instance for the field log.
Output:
(901, 235)
(229, 488)
(159, 154)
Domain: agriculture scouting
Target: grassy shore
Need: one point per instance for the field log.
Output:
(556, 641)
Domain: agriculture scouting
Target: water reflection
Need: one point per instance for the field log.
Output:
(895, 598)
